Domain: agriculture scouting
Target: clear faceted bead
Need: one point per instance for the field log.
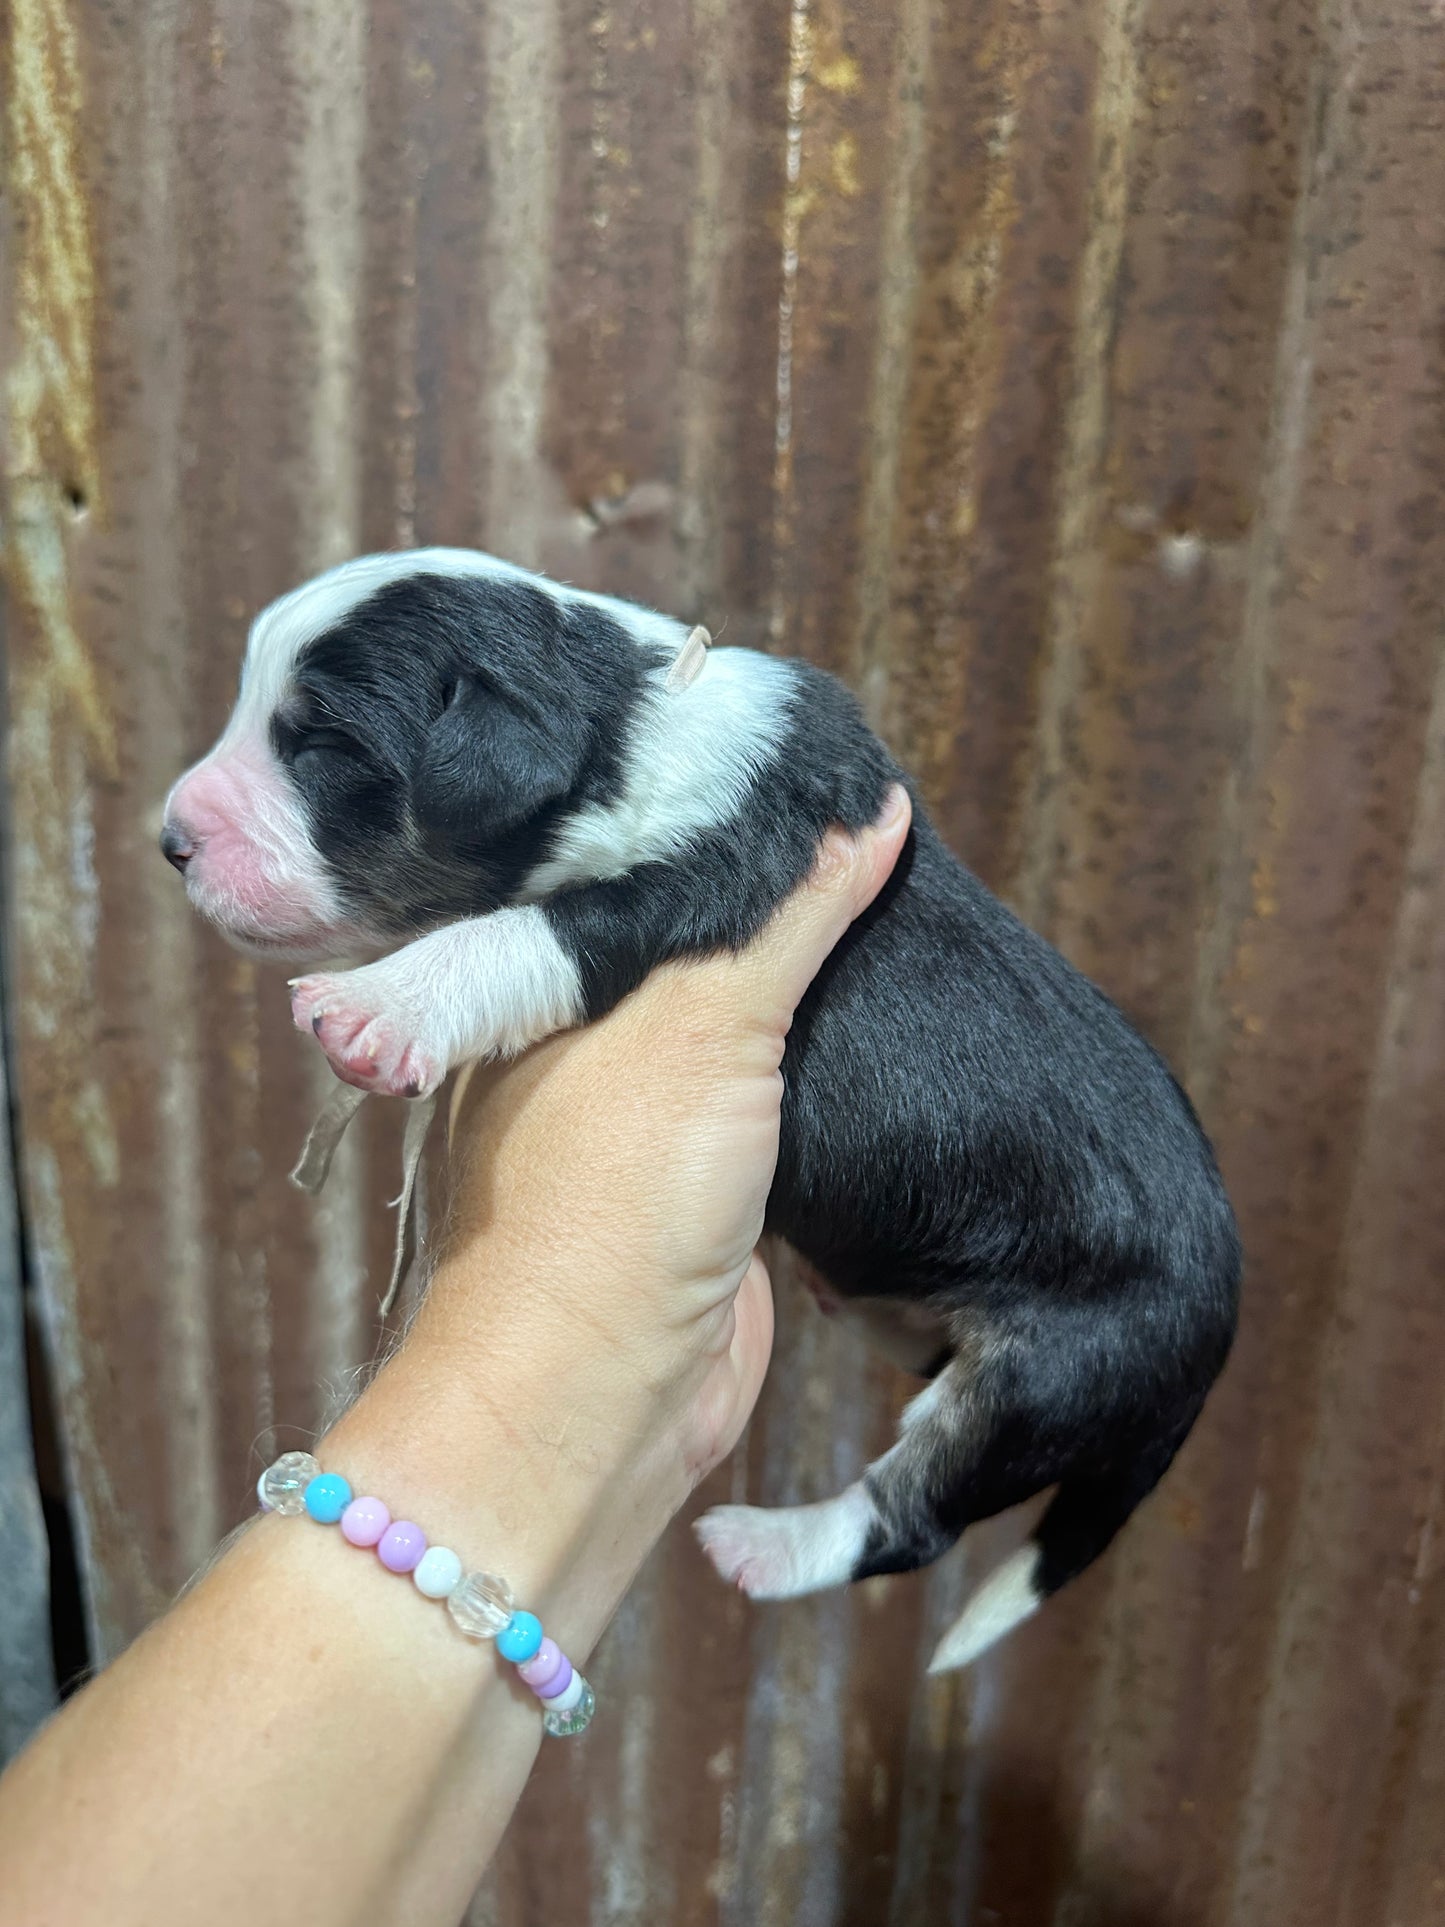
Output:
(559, 1725)
(481, 1605)
(283, 1485)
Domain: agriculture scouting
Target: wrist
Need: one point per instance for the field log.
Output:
(556, 1472)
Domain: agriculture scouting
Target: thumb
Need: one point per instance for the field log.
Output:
(776, 969)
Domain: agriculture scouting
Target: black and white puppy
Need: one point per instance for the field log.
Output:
(440, 751)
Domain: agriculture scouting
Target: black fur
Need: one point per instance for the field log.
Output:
(966, 1120)
(441, 731)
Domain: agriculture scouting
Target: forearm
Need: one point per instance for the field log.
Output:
(304, 1737)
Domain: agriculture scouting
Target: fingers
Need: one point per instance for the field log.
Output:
(774, 971)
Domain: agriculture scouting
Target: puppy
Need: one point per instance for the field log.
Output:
(502, 777)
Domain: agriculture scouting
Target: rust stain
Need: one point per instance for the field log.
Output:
(894, 362)
(522, 54)
(796, 197)
(843, 166)
(52, 469)
(1253, 667)
(1077, 554)
(840, 74)
(958, 296)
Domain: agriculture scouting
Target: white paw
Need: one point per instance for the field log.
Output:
(777, 1554)
(746, 1548)
(369, 1035)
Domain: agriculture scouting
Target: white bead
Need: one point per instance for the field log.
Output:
(437, 1572)
(568, 1697)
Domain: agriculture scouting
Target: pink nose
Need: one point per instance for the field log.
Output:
(176, 846)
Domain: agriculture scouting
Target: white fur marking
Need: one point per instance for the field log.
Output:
(692, 756)
(259, 876)
(780, 1553)
(1005, 1599)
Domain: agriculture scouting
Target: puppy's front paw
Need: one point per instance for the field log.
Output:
(372, 1040)
(750, 1546)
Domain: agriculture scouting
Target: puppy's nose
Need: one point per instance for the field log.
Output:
(176, 846)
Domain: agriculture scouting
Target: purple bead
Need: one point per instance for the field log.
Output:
(547, 1689)
(401, 1546)
(543, 1663)
(364, 1521)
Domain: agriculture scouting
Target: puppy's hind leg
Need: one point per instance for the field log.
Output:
(897, 1516)
(779, 1552)
(989, 1432)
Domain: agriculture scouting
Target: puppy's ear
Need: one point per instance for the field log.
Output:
(489, 765)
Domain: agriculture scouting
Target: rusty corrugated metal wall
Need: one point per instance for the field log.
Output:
(1071, 378)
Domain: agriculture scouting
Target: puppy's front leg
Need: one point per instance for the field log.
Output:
(486, 987)
(491, 985)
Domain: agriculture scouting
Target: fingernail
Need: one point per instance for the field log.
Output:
(894, 806)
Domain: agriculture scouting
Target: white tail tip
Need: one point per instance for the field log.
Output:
(1005, 1600)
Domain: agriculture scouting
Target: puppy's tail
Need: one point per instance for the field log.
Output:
(1082, 1518)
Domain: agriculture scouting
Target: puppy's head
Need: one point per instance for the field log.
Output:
(410, 730)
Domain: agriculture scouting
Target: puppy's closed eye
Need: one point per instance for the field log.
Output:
(318, 742)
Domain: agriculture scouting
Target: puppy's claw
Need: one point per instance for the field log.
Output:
(368, 1033)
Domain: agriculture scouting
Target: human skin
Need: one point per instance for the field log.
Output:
(303, 1738)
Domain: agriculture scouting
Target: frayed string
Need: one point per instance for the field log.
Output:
(313, 1167)
(410, 1206)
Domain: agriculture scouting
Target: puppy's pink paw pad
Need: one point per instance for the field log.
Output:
(369, 1046)
(749, 1547)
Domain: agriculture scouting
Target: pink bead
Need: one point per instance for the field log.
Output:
(401, 1546)
(364, 1521)
(542, 1664)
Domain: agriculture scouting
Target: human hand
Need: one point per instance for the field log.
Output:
(624, 1170)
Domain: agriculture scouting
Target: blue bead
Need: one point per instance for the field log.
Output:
(520, 1638)
(327, 1497)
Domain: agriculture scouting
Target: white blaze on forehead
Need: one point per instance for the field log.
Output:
(691, 757)
(284, 629)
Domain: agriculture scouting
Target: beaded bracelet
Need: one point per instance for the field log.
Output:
(479, 1603)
